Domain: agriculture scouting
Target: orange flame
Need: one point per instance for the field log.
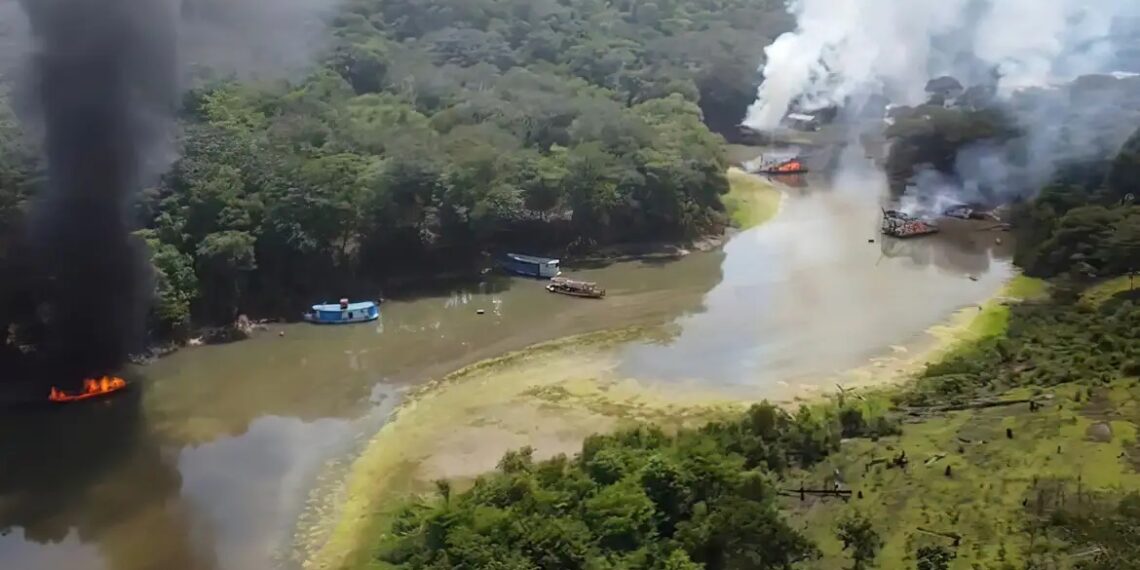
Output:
(790, 166)
(92, 387)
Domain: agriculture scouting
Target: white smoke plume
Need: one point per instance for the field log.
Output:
(843, 49)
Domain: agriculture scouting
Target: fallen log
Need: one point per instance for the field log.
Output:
(934, 459)
(957, 538)
(973, 405)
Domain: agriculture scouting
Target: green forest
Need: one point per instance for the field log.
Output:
(431, 132)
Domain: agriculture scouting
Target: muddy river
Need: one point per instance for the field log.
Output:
(208, 465)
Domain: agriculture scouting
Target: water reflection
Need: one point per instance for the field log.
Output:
(71, 475)
(961, 247)
(815, 292)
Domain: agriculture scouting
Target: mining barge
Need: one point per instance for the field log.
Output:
(900, 225)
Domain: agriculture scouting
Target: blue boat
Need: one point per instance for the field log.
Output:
(343, 313)
(531, 266)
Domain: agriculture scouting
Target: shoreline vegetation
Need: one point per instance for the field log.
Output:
(551, 397)
(751, 201)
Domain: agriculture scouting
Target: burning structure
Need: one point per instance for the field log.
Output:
(900, 225)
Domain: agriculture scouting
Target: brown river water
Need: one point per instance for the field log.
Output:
(207, 465)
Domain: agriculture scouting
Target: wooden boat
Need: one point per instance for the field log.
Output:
(900, 225)
(531, 266)
(565, 286)
(92, 388)
(782, 165)
(343, 313)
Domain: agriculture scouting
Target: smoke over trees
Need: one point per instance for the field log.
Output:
(1044, 65)
(102, 84)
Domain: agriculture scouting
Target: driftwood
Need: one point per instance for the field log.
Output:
(935, 459)
(843, 392)
(802, 493)
(957, 538)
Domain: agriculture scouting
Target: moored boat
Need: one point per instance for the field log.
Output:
(531, 266)
(575, 288)
(343, 313)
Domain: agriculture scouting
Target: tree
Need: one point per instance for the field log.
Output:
(223, 260)
(933, 558)
(1124, 176)
(859, 536)
(176, 286)
(1122, 247)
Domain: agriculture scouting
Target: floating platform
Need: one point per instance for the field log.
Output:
(586, 289)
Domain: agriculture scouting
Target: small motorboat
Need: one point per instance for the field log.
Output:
(573, 288)
(92, 388)
(343, 313)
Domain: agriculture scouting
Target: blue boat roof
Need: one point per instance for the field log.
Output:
(531, 258)
(351, 306)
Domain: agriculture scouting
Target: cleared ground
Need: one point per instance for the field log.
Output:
(1082, 441)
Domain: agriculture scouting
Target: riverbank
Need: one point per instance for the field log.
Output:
(983, 483)
(549, 397)
(751, 200)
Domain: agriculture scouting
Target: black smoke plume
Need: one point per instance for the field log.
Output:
(103, 83)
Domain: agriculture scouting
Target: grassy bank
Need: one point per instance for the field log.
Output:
(993, 476)
(1096, 295)
(965, 477)
(550, 397)
(751, 200)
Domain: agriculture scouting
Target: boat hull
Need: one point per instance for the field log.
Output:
(575, 293)
(346, 321)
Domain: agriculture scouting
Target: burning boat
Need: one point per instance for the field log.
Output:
(900, 225)
(92, 388)
(778, 166)
(968, 212)
(575, 288)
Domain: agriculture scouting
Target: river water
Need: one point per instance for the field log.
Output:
(207, 465)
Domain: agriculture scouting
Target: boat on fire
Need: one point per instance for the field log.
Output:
(343, 313)
(777, 165)
(92, 388)
(901, 225)
(564, 286)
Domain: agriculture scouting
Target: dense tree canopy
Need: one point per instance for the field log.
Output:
(433, 130)
(638, 499)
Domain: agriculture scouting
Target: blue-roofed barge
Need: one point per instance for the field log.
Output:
(531, 266)
(343, 313)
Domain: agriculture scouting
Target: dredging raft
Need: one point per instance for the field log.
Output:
(564, 286)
